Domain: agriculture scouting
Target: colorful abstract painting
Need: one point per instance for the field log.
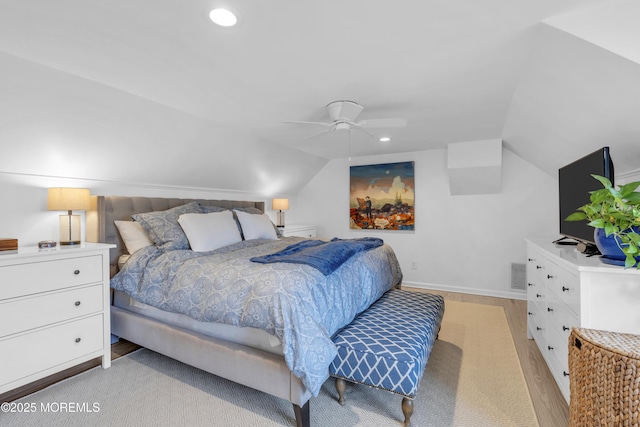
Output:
(382, 196)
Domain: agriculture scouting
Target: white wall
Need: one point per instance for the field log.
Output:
(58, 124)
(572, 98)
(460, 243)
(24, 213)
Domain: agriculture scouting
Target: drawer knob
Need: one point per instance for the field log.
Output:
(76, 272)
(78, 340)
(530, 313)
(538, 296)
(564, 289)
(538, 267)
(529, 284)
(549, 276)
(564, 328)
(549, 347)
(565, 373)
(538, 328)
(77, 303)
(549, 309)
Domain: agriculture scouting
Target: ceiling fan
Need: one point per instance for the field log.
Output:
(343, 115)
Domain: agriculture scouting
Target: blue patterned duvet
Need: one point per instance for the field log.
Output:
(293, 302)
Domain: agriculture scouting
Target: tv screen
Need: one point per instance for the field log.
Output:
(575, 183)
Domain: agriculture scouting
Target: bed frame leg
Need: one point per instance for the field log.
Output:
(302, 415)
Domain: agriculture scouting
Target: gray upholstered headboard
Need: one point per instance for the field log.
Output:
(106, 209)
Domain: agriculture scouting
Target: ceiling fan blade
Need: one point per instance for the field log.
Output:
(315, 135)
(309, 123)
(383, 123)
(361, 129)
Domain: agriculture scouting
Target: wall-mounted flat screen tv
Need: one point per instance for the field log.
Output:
(575, 183)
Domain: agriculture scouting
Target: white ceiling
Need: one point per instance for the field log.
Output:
(449, 67)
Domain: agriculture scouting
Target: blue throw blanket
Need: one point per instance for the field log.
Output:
(324, 256)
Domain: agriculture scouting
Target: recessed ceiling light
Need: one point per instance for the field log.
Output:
(223, 17)
(385, 139)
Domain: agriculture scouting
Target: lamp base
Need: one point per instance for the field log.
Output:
(69, 230)
(280, 219)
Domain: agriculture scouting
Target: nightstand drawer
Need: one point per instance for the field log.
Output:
(23, 314)
(30, 353)
(299, 231)
(34, 277)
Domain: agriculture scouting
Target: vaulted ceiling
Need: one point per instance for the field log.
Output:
(156, 92)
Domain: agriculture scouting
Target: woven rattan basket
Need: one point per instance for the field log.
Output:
(604, 372)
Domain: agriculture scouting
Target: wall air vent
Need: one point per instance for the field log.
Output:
(518, 277)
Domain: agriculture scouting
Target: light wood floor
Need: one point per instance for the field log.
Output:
(550, 406)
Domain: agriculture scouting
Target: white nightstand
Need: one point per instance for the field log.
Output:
(54, 311)
(299, 230)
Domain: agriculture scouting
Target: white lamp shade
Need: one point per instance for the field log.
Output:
(68, 199)
(280, 204)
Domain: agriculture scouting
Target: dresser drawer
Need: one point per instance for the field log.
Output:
(535, 317)
(28, 354)
(560, 318)
(560, 371)
(23, 314)
(555, 353)
(566, 286)
(534, 285)
(536, 263)
(34, 277)
(558, 347)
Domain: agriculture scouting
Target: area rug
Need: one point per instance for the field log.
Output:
(473, 378)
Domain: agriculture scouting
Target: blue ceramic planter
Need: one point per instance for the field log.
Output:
(608, 247)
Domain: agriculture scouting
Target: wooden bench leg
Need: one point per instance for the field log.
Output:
(407, 410)
(341, 386)
(303, 419)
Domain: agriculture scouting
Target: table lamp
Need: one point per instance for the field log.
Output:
(280, 205)
(69, 199)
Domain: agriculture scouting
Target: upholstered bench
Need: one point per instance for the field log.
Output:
(387, 346)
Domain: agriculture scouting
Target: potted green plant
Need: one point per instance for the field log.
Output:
(615, 214)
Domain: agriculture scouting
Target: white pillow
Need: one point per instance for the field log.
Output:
(133, 235)
(210, 231)
(256, 226)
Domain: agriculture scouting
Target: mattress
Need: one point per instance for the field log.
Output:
(251, 337)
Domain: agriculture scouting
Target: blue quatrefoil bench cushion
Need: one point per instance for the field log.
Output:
(388, 345)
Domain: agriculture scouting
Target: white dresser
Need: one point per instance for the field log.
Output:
(567, 289)
(54, 311)
(299, 230)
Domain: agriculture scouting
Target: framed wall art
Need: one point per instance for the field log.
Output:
(382, 196)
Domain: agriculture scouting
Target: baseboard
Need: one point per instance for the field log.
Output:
(518, 295)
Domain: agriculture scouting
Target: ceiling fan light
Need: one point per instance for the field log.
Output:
(223, 17)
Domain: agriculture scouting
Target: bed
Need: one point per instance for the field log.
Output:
(269, 355)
